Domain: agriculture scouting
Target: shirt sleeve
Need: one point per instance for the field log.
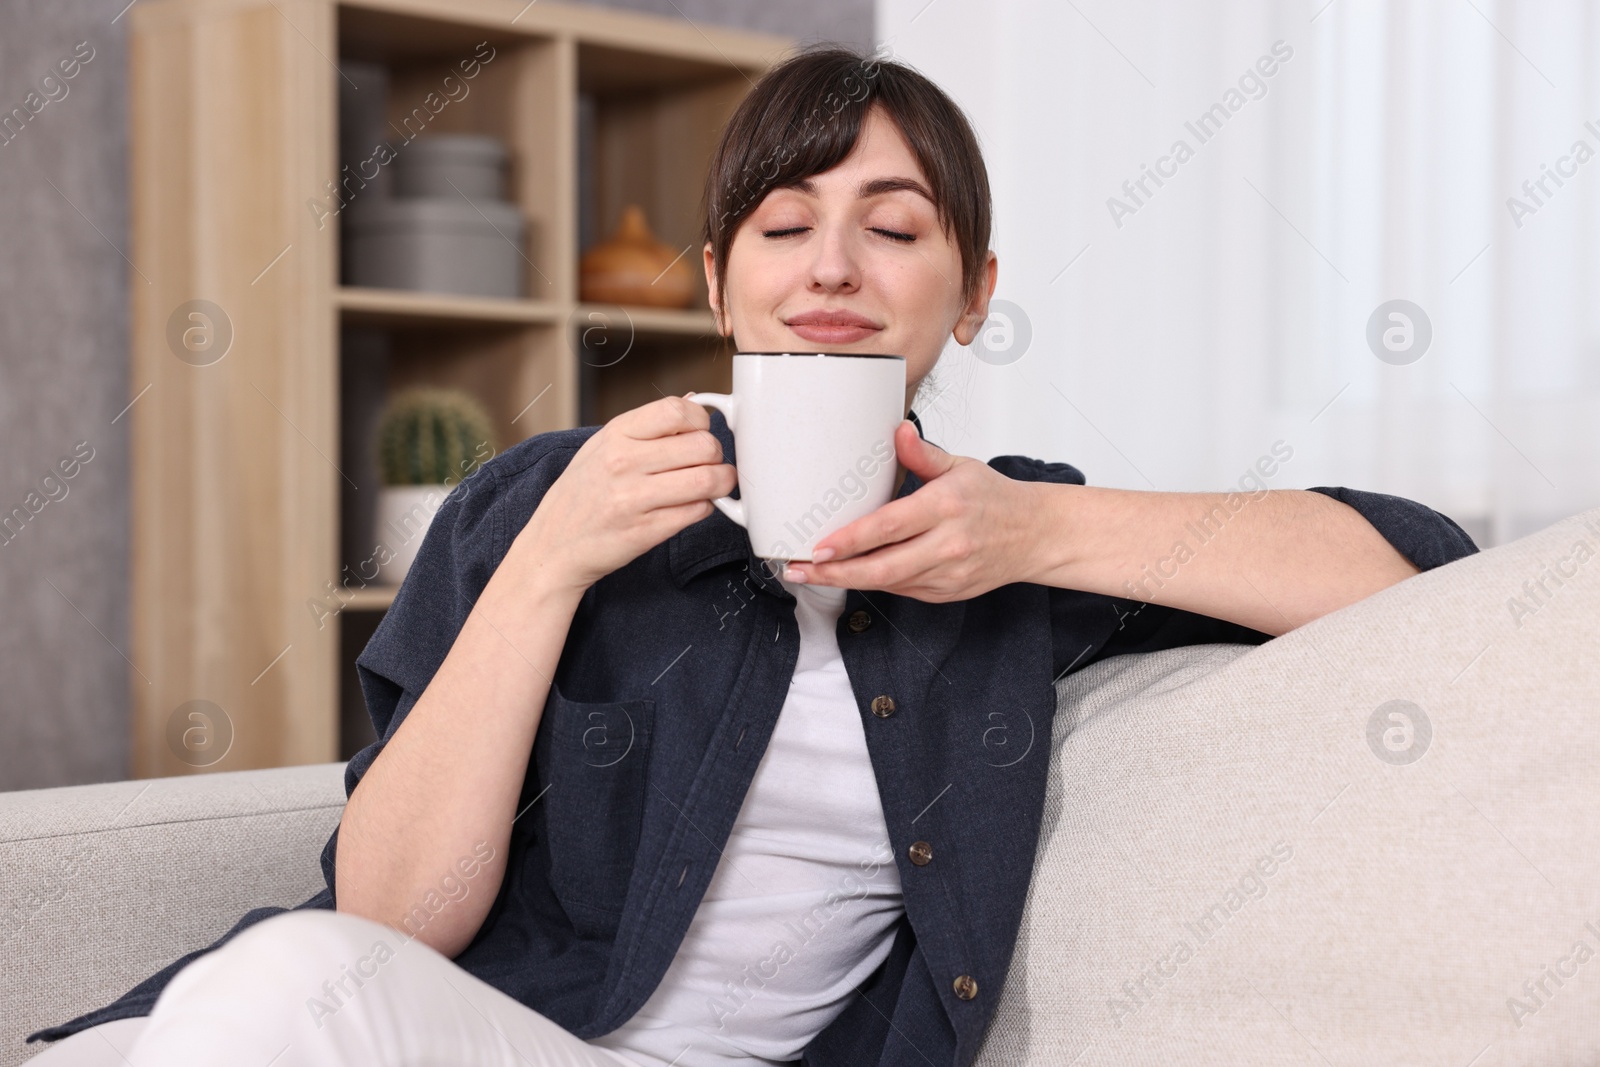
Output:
(1135, 626)
(464, 544)
(1426, 537)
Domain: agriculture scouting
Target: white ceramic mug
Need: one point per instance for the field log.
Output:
(813, 436)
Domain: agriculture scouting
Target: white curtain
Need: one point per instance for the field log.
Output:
(1180, 329)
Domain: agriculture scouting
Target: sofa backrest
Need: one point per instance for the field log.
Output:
(1375, 839)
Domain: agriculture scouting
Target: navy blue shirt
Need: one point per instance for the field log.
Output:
(667, 690)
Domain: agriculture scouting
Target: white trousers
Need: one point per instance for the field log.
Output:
(320, 988)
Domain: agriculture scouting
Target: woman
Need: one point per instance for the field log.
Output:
(765, 816)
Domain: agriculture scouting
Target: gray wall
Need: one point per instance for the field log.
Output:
(64, 627)
(63, 379)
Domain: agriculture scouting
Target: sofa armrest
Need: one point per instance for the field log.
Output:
(105, 884)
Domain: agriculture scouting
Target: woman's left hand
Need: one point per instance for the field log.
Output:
(966, 530)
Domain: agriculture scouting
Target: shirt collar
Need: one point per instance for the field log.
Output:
(717, 539)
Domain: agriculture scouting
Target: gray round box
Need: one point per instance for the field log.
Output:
(451, 165)
(437, 245)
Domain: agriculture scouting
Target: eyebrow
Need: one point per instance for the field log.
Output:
(872, 187)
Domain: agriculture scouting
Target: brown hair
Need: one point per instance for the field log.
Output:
(804, 116)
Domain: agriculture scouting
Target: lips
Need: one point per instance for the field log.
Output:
(832, 326)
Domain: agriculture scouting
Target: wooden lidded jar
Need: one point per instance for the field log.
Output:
(632, 267)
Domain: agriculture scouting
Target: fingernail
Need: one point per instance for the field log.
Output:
(822, 555)
(792, 574)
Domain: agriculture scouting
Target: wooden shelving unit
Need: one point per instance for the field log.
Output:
(250, 469)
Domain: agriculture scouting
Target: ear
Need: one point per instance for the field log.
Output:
(975, 314)
(714, 297)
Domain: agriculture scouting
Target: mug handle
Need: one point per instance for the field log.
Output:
(725, 403)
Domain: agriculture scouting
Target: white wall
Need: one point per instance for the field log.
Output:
(1230, 309)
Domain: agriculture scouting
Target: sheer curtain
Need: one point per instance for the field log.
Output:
(1166, 315)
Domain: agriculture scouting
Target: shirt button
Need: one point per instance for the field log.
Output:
(964, 985)
(883, 707)
(858, 621)
(921, 853)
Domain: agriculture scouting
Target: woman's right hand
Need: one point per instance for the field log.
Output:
(639, 479)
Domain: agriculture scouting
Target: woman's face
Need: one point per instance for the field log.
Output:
(851, 260)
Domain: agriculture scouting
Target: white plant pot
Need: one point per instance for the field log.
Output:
(404, 514)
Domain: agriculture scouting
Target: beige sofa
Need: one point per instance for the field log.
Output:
(1373, 840)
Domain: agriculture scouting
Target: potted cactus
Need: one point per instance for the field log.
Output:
(429, 439)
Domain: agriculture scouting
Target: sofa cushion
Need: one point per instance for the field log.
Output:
(105, 884)
(1362, 842)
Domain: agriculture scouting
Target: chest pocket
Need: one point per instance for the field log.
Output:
(592, 759)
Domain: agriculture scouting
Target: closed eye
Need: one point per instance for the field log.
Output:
(785, 233)
(895, 235)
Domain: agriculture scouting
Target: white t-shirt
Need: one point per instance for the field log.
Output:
(804, 900)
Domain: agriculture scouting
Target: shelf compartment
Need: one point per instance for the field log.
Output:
(519, 375)
(647, 128)
(651, 369)
(448, 78)
(523, 376)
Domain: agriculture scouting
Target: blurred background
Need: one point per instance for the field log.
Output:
(271, 272)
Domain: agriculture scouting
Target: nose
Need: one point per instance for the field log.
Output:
(837, 266)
